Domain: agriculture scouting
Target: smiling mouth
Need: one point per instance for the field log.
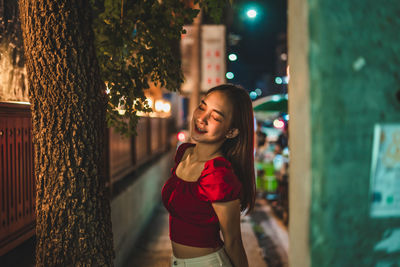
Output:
(198, 130)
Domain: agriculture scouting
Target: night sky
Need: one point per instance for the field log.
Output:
(256, 49)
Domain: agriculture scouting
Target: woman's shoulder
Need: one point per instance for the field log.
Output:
(218, 163)
(218, 181)
(218, 170)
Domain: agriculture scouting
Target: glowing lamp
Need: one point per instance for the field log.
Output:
(159, 105)
(166, 107)
(181, 136)
(278, 80)
(229, 75)
(253, 95)
(251, 13)
(279, 124)
(232, 57)
(149, 102)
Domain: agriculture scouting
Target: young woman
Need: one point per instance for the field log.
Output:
(213, 181)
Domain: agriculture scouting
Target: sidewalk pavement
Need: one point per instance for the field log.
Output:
(271, 233)
(264, 236)
(153, 248)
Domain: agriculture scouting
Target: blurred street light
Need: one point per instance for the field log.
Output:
(232, 57)
(162, 106)
(251, 13)
(181, 136)
(279, 123)
(159, 105)
(253, 95)
(167, 107)
(229, 75)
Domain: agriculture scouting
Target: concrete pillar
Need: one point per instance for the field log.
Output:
(300, 137)
(344, 62)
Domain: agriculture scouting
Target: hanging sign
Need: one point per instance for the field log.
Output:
(213, 64)
(189, 58)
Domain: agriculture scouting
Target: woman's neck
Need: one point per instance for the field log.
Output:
(205, 152)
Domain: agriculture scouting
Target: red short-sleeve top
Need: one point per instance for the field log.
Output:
(192, 220)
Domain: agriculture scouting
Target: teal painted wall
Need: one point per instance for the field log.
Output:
(354, 63)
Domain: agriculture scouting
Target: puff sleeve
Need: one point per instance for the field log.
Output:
(219, 183)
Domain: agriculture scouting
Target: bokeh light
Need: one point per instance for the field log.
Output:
(279, 124)
(253, 95)
(278, 80)
(181, 136)
(251, 13)
(229, 75)
(232, 57)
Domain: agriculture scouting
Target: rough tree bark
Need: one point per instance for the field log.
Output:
(73, 224)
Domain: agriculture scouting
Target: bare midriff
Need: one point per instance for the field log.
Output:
(185, 252)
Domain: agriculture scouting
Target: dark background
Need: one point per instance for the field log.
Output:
(262, 40)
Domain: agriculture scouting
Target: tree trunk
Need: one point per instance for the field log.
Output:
(73, 224)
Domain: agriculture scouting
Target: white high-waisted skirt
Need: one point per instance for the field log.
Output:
(215, 259)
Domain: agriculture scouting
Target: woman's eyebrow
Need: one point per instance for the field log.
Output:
(216, 110)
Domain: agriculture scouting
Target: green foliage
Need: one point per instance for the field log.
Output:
(214, 8)
(137, 42)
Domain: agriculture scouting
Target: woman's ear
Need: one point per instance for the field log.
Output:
(232, 133)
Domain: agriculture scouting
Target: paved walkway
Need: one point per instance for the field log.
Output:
(264, 236)
(272, 235)
(154, 249)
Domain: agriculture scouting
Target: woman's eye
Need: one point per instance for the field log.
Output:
(200, 107)
(217, 119)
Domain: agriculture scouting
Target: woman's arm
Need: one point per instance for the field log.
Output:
(229, 219)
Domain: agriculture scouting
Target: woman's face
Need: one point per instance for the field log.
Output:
(212, 118)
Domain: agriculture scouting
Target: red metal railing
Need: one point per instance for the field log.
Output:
(126, 154)
(17, 183)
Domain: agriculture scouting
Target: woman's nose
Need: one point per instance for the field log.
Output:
(202, 118)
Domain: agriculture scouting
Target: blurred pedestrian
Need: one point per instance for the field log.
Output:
(213, 181)
(260, 135)
(283, 138)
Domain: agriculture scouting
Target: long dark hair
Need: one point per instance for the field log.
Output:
(240, 150)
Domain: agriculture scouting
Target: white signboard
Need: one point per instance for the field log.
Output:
(188, 57)
(385, 171)
(213, 64)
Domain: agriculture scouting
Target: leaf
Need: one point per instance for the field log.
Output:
(141, 49)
